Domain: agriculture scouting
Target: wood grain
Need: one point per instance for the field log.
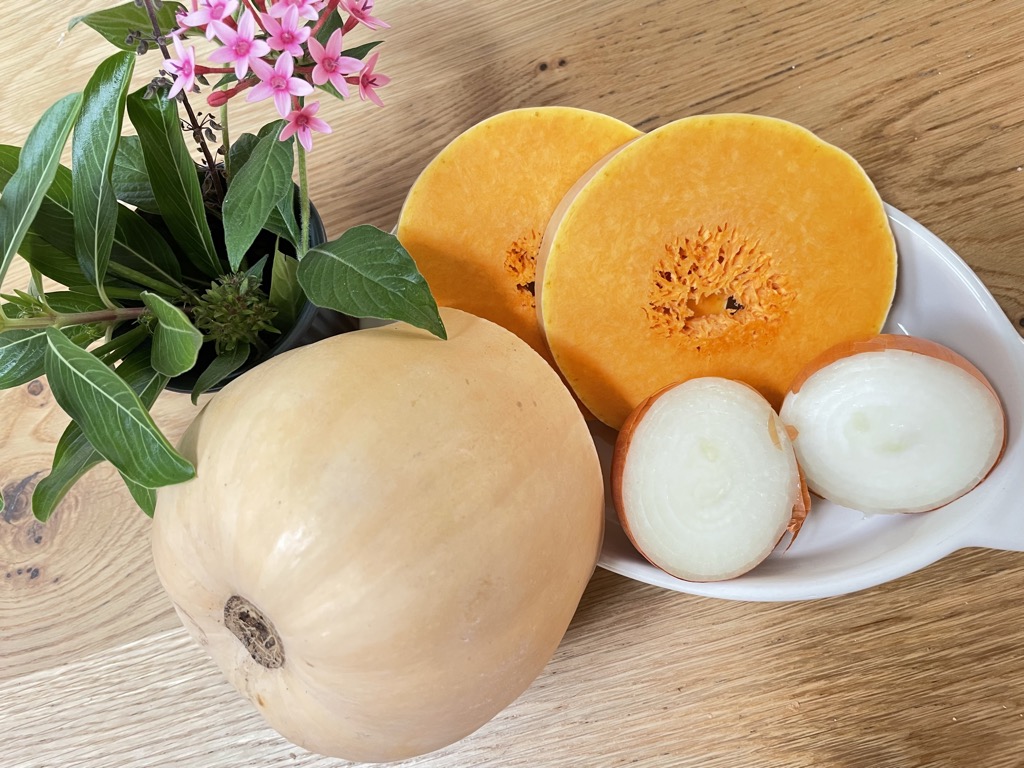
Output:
(925, 671)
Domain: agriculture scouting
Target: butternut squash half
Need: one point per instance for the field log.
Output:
(729, 245)
(474, 218)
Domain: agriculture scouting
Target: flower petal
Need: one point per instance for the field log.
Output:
(348, 65)
(285, 64)
(297, 87)
(333, 44)
(282, 102)
(288, 131)
(260, 91)
(317, 124)
(340, 84)
(262, 69)
(316, 50)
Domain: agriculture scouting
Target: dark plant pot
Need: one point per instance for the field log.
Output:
(312, 324)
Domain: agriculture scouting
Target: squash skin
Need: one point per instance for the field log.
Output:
(803, 206)
(411, 610)
(484, 201)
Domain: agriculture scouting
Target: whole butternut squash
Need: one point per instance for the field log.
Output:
(387, 535)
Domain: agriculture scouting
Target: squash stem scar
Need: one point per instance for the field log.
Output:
(254, 631)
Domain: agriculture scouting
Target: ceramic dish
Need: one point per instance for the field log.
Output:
(841, 550)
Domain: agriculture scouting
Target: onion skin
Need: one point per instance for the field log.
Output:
(914, 344)
(801, 508)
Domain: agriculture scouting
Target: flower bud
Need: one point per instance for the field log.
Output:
(218, 98)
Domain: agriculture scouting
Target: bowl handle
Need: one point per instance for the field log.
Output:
(1000, 527)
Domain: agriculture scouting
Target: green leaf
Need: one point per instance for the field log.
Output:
(131, 181)
(143, 496)
(175, 178)
(51, 262)
(138, 246)
(227, 79)
(21, 356)
(49, 244)
(68, 302)
(333, 22)
(285, 292)
(25, 190)
(111, 415)
(75, 455)
(223, 365)
(114, 24)
(254, 192)
(360, 51)
(22, 349)
(93, 147)
(73, 458)
(54, 223)
(282, 220)
(367, 273)
(176, 341)
(241, 150)
(256, 270)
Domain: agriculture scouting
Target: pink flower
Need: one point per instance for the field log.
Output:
(277, 81)
(240, 46)
(287, 34)
(210, 10)
(182, 13)
(360, 10)
(303, 122)
(331, 66)
(308, 9)
(183, 68)
(369, 80)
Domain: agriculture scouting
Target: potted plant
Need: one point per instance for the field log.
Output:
(182, 268)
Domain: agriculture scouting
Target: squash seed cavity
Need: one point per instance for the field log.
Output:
(706, 285)
(521, 263)
(255, 631)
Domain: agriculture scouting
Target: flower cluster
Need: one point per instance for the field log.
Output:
(272, 49)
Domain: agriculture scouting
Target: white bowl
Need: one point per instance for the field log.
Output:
(841, 550)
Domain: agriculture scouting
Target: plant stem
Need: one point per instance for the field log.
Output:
(255, 13)
(102, 291)
(119, 346)
(225, 140)
(140, 278)
(324, 15)
(115, 315)
(210, 163)
(303, 202)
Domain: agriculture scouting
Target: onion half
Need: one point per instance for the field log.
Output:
(705, 480)
(894, 424)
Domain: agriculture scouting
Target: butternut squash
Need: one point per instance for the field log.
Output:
(474, 218)
(387, 534)
(730, 245)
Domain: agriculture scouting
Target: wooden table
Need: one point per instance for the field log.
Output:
(927, 671)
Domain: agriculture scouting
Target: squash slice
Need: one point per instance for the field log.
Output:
(729, 245)
(474, 218)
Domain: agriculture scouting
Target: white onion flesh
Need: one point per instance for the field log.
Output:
(893, 430)
(706, 479)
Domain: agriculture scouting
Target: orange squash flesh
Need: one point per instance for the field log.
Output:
(474, 218)
(728, 245)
